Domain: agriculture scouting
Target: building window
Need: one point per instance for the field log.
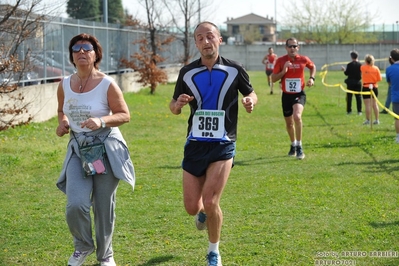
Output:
(236, 29)
(262, 30)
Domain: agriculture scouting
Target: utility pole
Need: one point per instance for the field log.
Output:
(105, 11)
(275, 21)
(397, 32)
(199, 11)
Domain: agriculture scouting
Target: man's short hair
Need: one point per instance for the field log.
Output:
(290, 39)
(354, 55)
(207, 22)
(395, 55)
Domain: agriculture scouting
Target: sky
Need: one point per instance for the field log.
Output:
(236, 8)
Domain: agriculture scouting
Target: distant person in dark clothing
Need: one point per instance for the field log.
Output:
(388, 100)
(353, 83)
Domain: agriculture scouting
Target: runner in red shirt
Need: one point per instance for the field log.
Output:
(290, 69)
(269, 61)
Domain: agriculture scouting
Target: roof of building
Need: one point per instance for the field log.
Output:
(250, 19)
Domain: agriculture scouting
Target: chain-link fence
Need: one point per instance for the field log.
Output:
(49, 49)
(50, 56)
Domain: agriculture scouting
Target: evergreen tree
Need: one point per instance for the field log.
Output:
(87, 10)
(116, 13)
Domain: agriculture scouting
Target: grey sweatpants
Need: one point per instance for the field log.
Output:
(83, 192)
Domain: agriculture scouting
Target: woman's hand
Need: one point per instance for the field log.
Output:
(62, 129)
(92, 123)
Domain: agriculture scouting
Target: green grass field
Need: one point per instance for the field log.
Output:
(340, 203)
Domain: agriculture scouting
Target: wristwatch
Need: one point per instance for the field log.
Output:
(312, 78)
(102, 122)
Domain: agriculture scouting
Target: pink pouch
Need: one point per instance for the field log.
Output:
(99, 166)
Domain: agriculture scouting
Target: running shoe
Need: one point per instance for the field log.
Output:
(200, 221)
(376, 122)
(214, 259)
(78, 257)
(292, 151)
(299, 153)
(367, 122)
(108, 262)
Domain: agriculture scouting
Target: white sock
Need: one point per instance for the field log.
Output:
(299, 143)
(213, 247)
(293, 143)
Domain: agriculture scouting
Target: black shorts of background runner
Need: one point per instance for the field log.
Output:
(368, 96)
(288, 100)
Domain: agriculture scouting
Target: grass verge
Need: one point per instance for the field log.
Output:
(278, 210)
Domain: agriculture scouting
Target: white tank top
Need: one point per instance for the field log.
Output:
(81, 106)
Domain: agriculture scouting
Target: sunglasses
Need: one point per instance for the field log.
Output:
(85, 46)
(292, 46)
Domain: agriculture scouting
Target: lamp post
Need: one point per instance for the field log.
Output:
(275, 21)
(105, 11)
(199, 11)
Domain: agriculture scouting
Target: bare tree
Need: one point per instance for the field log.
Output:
(18, 23)
(183, 16)
(146, 61)
(154, 20)
(186, 13)
(330, 21)
(183, 12)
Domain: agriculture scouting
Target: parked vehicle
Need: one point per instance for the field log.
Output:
(47, 73)
(55, 63)
(27, 79)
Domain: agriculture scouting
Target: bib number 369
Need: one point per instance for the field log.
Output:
(208, 124)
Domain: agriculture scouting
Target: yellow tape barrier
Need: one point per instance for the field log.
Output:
(323, 74)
